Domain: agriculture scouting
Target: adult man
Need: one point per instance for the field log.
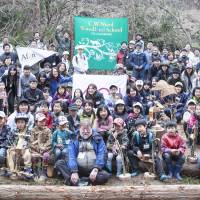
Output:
(7, 52)
(79, 61)
(138, 62)
(87, 155)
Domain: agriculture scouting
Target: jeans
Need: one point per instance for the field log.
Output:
(2, 156)
(61, 153)
(138, 74)
(176, 160)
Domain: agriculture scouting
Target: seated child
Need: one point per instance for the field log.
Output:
(141, 147)
(40, 146)
(20, 146)
(61, 138)
(173, 149)
(119, 134)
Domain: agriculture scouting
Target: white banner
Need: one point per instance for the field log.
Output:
(31, 56)
(103, 82)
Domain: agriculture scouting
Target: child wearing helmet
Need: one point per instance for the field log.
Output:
(118, 135)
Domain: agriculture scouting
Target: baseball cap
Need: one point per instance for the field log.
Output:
(139, 82)
(62, 120)
(119, 121)
(40, 116)
(119, 101)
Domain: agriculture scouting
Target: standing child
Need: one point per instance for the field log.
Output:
(104, 121)
(173, 149)
(40, 146)
(119, 134)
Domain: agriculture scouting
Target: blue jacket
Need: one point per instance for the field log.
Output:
(55, 82)
(138, 59)
(62, 137)
(99, 148)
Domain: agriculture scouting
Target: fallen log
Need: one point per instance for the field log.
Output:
(148, 192)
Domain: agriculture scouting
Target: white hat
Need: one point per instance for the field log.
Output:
(178, 84)
(119, 101)
(191, 101)
(139, 82)
(62, 120)
(138, 104)
(2, 114)
(40, 117)
(79, 47)
(65, 53)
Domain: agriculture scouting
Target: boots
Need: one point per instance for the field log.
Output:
(109, 166)
(170, 170)
(177, 172)
(119, 168)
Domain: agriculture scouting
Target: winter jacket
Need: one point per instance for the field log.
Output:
(138, 59)
(99, 148)
(55, 82)
(142, 143)
(61, 137)
(40, 138)
(97, 98)
(33, 96)
(120, 56)
(122, 139)
(188, 80)
(129, 100)
(6, 136)
(171, 141)
(103, 125)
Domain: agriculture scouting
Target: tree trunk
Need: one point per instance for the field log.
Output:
(36, 23)
(150, 192)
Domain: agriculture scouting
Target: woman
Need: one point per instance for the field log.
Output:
(187, 76)
(56, 79)
(11, 81)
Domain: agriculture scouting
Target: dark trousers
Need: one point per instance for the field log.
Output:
(61, 165)
(134, 161)
(176, 160)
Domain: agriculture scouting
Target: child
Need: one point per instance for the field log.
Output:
(63, 96)
(57, 111)
(173, 149)
(94, 95)
(61, 138)
(120, 134)
(47, 96)
(141, 147)
(20, 146)
(44, 108)
(104, 121)
(78, 101)
(78, 93)
(88, 112)
(136, 113)
(3, 98)
(40, 145)
(73, 118)
(120, 110)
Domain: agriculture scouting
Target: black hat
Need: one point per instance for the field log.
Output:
(171, 124)
(23, 101)
(113, 86)
(140, 122)
(176, 71)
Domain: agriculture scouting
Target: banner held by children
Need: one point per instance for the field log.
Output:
(101, 39)
(31, 56)
(103, 82)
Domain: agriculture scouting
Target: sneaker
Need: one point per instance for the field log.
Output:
(28, 173)
(178, 177)
(163, 177)
(136, 173)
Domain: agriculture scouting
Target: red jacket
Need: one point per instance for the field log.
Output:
(171, 141)
(120, 56)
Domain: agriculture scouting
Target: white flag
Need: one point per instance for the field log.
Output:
(30, 56)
